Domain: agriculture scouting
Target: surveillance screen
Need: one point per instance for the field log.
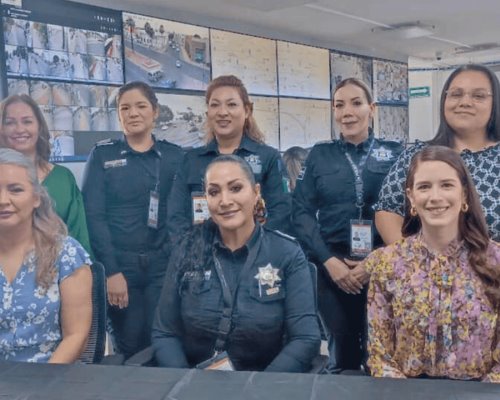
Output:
(61, 40)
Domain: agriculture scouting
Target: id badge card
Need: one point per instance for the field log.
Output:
(219, 362)
(200, 207)
(154, 201)
(361, 237)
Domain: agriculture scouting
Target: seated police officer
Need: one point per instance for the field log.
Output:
(236, 295)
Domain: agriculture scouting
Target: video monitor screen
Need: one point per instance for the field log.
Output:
(166, 54)
(62, 40)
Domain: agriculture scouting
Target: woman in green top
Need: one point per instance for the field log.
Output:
(23, 128)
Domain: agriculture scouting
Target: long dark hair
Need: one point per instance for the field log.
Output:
(194, 253)
(472, 224)
(445, 135)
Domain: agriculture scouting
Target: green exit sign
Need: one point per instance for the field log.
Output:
(420, 91)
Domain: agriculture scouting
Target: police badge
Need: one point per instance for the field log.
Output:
(268, 276)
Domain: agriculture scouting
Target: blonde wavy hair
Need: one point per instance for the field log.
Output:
(48, 229)
(250, 128)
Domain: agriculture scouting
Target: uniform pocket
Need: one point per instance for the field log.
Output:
(267, 294)
(379, 167)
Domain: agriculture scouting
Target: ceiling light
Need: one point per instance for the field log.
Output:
(408, 30)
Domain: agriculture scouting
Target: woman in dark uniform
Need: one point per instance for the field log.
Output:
(125, 187)
(236, 289)
(332, 218)
(231, 129)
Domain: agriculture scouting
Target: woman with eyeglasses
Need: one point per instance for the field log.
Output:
(470, 125)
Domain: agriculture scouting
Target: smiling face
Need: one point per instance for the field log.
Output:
(226, 113)
(136, 113)
(463, 114)
(353, 113)
(231, 198)
(17, 198)
(20, 128)
(437, 194)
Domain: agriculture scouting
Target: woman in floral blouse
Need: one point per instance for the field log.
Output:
(434, 296)
(45, 281)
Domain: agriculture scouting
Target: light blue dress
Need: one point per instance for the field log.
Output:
(29, 315)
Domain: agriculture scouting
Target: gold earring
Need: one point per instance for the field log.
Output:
(260, 210)
(465, 207)
(413, 211)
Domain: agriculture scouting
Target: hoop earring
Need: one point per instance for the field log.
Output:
(465, 207)
(260, 211)
(413, 211)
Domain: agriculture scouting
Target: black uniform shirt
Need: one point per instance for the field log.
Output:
(116, 190)
(324, 200)
(268, 170)
(190, 308)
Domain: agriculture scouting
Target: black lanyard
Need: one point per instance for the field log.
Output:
(230, 298)
(358, 179)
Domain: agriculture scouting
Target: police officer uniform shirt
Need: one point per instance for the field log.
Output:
(117, 187)
(268, 170)
(324, 200)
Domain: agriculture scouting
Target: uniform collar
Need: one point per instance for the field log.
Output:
(364, 146)
(126, 149)
(254, 238)
(246, 143)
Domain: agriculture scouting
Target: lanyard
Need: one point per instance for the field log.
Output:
(230, 298)
(358, 180)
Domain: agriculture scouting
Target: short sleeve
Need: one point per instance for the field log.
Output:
(72, 257)
(391, 197)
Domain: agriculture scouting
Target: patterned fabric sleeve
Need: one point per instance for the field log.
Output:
(380, 328)
(391, 197)
(72, 257)
(494, 374)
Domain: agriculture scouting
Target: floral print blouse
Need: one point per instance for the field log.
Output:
(29, 315)
(428, 313)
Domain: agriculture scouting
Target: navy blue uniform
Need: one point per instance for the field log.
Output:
(324, 202)
(116, 190)
(274, 327)
(268, 170)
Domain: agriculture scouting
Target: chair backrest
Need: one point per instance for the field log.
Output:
(96, 342)
(314, 276)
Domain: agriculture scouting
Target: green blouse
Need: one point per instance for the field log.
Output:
(68, 203)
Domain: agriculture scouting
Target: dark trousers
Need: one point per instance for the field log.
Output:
(132, 325)
(344, 317)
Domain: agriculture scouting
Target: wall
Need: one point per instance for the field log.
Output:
(424, 111)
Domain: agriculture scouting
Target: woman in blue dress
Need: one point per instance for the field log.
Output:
(45, 281)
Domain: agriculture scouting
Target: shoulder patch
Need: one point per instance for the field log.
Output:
(105, 142)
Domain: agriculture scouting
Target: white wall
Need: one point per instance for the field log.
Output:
(424, 111)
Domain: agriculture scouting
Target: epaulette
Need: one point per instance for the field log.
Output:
(284, 235)
(105, 142)
(165, 141)
(329, 141)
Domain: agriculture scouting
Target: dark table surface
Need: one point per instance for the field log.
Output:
(101, 382)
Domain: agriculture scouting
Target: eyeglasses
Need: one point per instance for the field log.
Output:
(477, 96)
